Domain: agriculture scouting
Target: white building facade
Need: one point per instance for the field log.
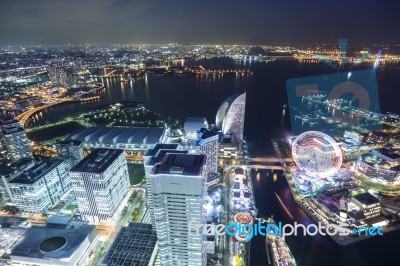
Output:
(40, 186)
(101, 183)
(178, 186)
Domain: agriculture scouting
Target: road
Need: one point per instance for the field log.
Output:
(113, 232)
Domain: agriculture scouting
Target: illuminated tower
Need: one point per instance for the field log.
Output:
(178, 186)
(230, 116)
(101, 182)
(14, 141)
(152, 157)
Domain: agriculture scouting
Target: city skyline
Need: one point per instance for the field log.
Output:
(199, 133)
(153, 21)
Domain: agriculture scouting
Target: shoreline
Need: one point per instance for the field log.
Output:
(340, 240)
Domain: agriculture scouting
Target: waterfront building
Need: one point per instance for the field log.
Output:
(135, 244)
(231, 114)
(375, 165)
(62, 241)
(325, 207)
(100, 182)
(14, 141)
(35, 186)
(230, 147)
(178, 186)
(368, 204)
(135, 141)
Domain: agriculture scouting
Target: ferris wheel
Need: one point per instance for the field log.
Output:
(317, 154)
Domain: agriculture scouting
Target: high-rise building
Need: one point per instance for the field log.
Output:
(14, 141)
(153, 151)
(11, 171)
(70, 150)
(35, 186)
(58, 74)
(100, 182)
(230, 116)
(178, 186)
(209, 144)
(152, 157)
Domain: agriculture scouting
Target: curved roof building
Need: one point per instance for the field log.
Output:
(230, 115)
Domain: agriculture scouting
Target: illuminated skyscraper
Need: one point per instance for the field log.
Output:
(101, 182)
(230, 116)
(58, 73)
(178, 186)
(14, 141)
(209, 144)
(152, 157)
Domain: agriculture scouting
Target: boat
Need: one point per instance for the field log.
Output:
(281, 254)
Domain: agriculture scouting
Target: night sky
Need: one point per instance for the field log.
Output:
(201, 21)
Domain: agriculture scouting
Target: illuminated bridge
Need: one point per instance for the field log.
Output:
(23, 117)
(267, 167)
(269, 160)
(270, 163)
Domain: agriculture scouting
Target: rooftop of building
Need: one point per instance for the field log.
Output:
(160, 146)
(366, 198)
(206, 133)
(134, 245)
(327, 202)
(371, 159)
(11, 130)
(194, 124)
(11, 221)
(161, 153)
(36, 171)
(4, 122)
(390, 153)
(19, 165)
(65, 222)
(229, 140)
(69, 142)
(59, 219)
(97, 161)
(195, 119)
(118, 135)
(52, 243)
(184, 164)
